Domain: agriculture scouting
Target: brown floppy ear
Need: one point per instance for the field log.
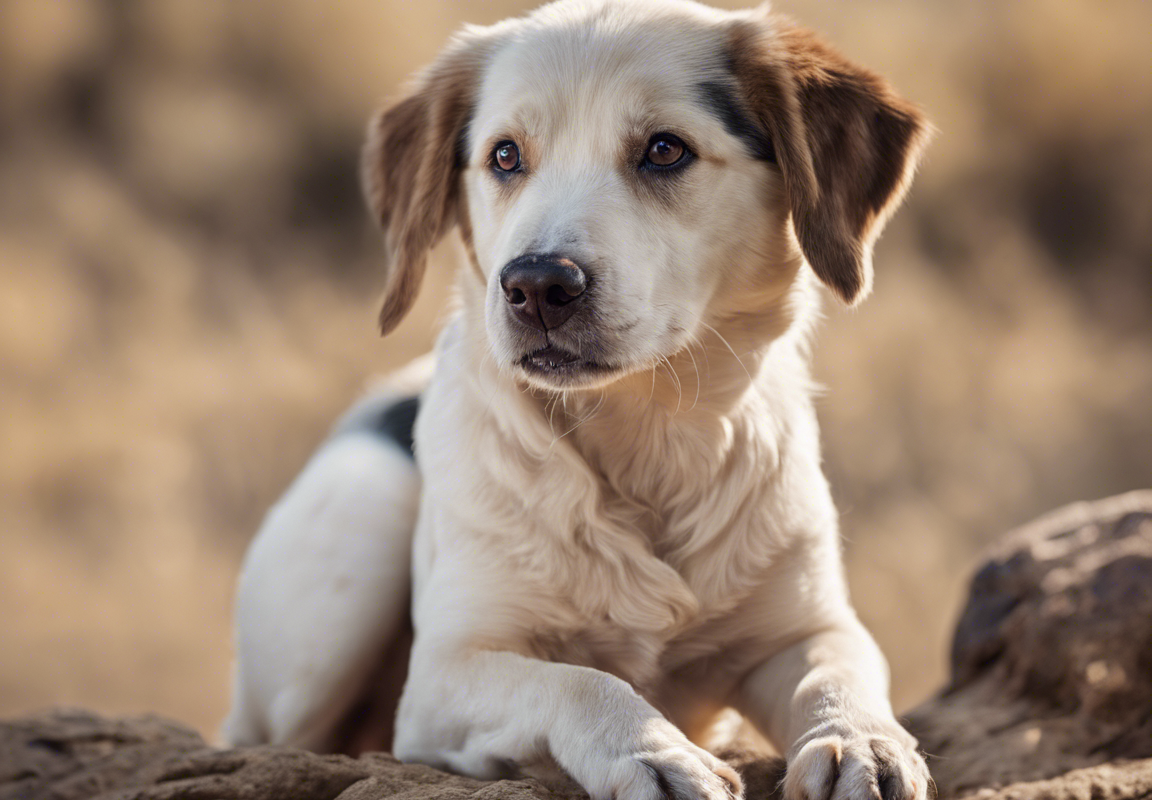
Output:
(411, 167)
(846, 143)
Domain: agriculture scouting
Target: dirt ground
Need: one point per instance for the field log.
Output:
(188, 287)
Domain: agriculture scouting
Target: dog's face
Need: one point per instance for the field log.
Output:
(627, 174)
(608, 201)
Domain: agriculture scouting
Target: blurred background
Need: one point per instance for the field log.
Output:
(188, 287)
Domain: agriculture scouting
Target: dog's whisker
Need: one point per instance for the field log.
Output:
(664, 362)
(696, 400)
(588, 416)
(550, 407)
(720, 336)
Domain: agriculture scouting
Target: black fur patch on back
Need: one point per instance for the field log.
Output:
(396, 422)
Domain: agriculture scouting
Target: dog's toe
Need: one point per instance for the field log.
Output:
(856, 768)
(677, 773)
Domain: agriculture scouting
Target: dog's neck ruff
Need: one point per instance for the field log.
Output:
(732, 391)
(663, 442)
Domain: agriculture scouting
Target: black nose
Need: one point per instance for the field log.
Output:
(543, 290)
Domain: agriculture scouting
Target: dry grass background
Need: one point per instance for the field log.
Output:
(188, 282)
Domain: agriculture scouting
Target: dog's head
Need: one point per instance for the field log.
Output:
(626, 174)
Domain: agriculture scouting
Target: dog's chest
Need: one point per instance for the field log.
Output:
(626, 540)
(632, 606)
(645, 657)
(639, 657)
(635, 657)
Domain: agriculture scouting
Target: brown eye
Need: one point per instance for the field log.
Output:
(507, 156)
(665, 150)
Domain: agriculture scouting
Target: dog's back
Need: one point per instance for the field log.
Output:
(322, 602)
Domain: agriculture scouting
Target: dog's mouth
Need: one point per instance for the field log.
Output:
(552, 361)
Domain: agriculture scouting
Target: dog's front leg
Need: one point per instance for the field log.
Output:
(825, 702)
(485, 713)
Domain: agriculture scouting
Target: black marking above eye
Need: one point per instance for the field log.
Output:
(722, 102)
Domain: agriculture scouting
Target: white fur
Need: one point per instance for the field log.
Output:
(599, 567)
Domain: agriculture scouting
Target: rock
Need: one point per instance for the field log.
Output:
(1119, 781)
(1052, 657)
(1050, 699)
(78, 755)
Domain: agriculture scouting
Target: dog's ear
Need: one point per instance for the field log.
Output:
(412, 163)
(846, 144)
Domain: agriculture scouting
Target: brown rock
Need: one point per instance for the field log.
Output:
(77, 755)
(1118, 781)
(1052, 658)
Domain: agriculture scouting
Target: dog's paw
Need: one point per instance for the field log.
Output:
(679, 771)
(856, 767)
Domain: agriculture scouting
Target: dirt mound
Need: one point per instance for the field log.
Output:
(78, 755)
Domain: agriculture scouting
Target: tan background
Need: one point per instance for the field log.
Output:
(188, 282)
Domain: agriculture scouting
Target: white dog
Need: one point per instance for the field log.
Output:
(616, 525)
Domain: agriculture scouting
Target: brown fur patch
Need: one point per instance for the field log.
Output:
(411, 169)
(846, 143)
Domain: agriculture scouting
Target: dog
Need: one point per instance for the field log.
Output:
(616, 525)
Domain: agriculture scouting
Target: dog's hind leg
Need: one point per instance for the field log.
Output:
(325, 585)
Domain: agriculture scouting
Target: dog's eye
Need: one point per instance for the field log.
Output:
(665, 150)
(507, 156)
